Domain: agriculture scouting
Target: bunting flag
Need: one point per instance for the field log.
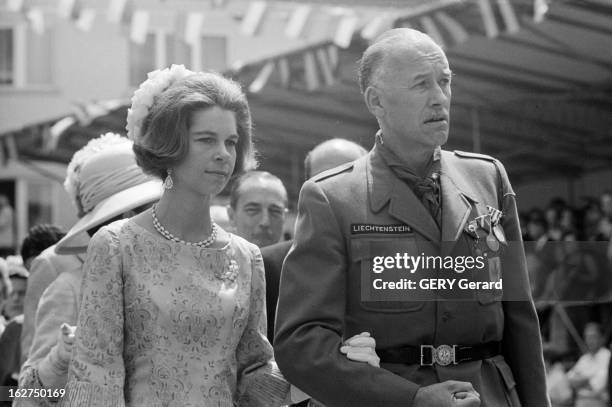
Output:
(50, 142)
(346, 29)
(80, 113)
(140, 26)
(508, 15)
(284, 72)
(429, 26)
(236, 65)
(262, 77)
(326, 68)
(253, 17)
(36, 17)
(297, 21)
(86, 19)
(68, 9)
(15, 5)
(456, 30)
(311, 78)
(193, 28)
(118, 11)
(375, 27)
(540, 8)
(488, 18)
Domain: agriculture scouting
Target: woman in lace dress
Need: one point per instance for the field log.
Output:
(173, 307)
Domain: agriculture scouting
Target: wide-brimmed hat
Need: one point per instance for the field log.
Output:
(104, 181)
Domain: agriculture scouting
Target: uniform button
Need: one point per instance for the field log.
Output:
(446, 315)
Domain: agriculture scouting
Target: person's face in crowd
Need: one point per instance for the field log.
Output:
(606, 205)
(535, 230)
(415, 93)
(13, 305)
(260, 211)
(567, 220)
(592, 215)
(210, 161)
(570, 243)
(593, 338)
(552, 217)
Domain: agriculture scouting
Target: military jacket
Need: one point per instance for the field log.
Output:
(350, 215)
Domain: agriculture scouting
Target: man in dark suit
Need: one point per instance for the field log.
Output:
(324, 156)
(359, 225)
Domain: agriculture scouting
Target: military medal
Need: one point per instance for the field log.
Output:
(492, 242)
(494, 214)
(499, 233)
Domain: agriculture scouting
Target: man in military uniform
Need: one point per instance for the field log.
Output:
(407, 197)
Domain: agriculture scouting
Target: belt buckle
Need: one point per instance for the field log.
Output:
(443, 355)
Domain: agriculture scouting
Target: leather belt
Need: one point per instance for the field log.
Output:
(443, 355)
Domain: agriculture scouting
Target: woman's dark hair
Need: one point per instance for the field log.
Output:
(165, 130)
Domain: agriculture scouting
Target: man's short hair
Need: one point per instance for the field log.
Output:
(374, 55)
(260, 175)
(39, 238)
(352, 152)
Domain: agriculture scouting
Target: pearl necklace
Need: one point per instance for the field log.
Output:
(165, 233)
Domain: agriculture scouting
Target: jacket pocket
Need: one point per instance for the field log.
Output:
(384, 273)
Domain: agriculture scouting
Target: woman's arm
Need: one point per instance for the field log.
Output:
(260, 382)
(47, 365)
(96, 374)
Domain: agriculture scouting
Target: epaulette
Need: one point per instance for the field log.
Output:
(332, 172)
(466, 154)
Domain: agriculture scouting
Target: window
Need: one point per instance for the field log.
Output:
(6, 56)
(25, 56)
(39, 203)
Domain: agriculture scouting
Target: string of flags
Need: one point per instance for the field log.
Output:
(349, 19)
(344, 24)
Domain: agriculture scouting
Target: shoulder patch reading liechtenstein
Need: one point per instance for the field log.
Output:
(370, 228)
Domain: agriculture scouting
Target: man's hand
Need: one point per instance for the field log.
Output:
(361, 348)
(450, 393)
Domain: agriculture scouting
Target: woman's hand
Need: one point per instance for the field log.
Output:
(65, 342)
(361, 348)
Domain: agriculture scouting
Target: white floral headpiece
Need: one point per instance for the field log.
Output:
(157, 82)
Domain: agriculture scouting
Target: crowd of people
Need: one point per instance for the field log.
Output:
(155, 297)
(569, 255)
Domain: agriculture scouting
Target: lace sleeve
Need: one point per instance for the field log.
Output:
(260, 382)
(57, 305)
(96, 374)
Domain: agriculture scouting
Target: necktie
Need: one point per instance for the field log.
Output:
(427, 188)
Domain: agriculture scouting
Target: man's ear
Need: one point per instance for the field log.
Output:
(373, 101)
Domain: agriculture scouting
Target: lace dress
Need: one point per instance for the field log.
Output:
(166, 324)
